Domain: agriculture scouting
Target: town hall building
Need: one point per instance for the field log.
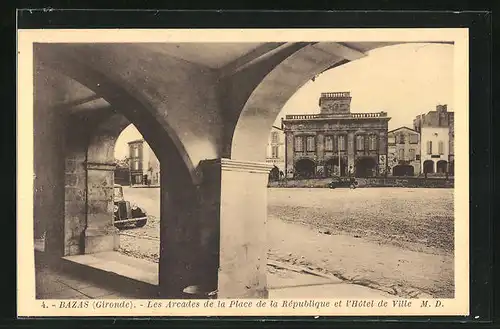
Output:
(335, 140)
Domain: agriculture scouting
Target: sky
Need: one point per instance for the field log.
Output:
(403, 80)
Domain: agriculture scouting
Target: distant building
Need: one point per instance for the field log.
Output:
(276, 148)
(437, 136)
(404, 152)
(331, 142)
(144, 165)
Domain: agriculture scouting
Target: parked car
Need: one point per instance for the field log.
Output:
(343, 182)
(126, 214)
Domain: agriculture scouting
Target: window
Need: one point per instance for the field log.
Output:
(391, 140)
(341, 143)
(328, 143)
(413, 139)
(275, 151)
(412, 154)
(401, 154)
(138, 179)
(441, 147)
(401, 139)
(429, 147)
(299, 144)
(360, 143)
(136, 151)
(311, 144)
(373, 143)
(274, 137)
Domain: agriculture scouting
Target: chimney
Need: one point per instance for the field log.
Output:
(442, 108)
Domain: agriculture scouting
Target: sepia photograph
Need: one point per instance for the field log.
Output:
(205, 172)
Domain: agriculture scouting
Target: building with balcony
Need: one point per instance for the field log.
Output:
(336, 140)
(143, 163)
(437, 136)
(403, 152)
(276, 148)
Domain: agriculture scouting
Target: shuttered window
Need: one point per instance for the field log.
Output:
(299, 144)
(341, 143)
(441, 147)
(360, 143)
(329, 143)
(311, 145)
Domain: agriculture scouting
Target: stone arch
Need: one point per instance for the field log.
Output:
(305, 168)
(428, 167)
(268, 98)
(161, 137)
(179, 227)
(403, 170)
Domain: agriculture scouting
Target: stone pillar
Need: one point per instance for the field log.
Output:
(100, 233)
(350, 150)
(75, 205)
(238, 217)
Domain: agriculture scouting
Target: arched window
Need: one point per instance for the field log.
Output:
(401, 154)
(441, 147)
(360, 143)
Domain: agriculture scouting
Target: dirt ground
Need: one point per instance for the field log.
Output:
(392, 239)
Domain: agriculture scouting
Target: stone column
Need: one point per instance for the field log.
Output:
(350, 150)
(100, 233)
(238, 215)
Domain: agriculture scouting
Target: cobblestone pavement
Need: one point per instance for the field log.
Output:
(393, 239)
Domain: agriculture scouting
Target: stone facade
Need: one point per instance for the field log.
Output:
(317, 143)
(404, 152)
(436, 130)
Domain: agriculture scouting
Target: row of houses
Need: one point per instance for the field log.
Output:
(337, 140)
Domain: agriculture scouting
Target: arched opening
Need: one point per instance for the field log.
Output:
(428, 167)
(365, 167)
(403, 170)
(442, 167)
(87, 150)
(137, 193)
(305, 168)
(332, 167)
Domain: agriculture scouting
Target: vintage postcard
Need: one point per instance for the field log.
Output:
(311, 172)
